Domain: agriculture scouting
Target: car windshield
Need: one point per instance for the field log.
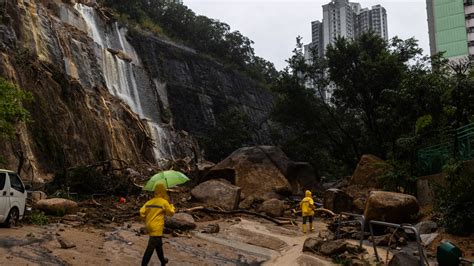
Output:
(3, 177)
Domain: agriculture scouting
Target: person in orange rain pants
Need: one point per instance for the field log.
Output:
(307, 210)
(154, 212)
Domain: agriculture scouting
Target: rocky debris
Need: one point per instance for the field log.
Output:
(273, 207)
(337, 200)
(211, 229)
(358, 205)
(72, 218)
(36, 196)
(217, 193)
(333, 247)
(312, 244)
(368, 172)
(258, 170)
(180, 221)
(426, 227)
(57, 206)
(65, 244)
(404, 259)
(390, 207)
(247, 202)
(427, 239)
(384, 240)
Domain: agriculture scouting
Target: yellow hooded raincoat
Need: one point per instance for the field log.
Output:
(154, 211)
(307, 204)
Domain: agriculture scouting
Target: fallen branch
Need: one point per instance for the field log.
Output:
(204, 209)
(318, 210)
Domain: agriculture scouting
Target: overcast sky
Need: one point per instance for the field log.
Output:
(274, 24)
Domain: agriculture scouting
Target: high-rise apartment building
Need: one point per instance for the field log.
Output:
(342, 18)
(451, 28)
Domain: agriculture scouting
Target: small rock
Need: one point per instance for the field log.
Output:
(427, 239)
(426, 227)
(333, 247)
(65, 244)
(211, 229)
(273, 207)
(73, 218)
(404, 259)
(247, 203)
(402, 241)
(180, 221)
(383, 240)
(312, 244)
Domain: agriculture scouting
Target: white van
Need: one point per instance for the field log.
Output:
(12, 198)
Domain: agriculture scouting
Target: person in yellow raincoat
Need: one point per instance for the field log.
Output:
(154, 212)
(307, 210)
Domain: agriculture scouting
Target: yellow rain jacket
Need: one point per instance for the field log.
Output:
(154, 211)
(307, 204)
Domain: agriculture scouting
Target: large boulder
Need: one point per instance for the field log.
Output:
(259, 171)
(334, 247)
(390, 207)
(57, 206)
(273, 207)
(337, 200)
(302, 176)
(368, 171)
(217, 193)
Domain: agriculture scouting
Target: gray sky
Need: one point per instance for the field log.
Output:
(274, 24)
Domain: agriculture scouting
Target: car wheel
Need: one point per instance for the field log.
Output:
(13, 218)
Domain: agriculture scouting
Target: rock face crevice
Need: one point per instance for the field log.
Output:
(102, 92)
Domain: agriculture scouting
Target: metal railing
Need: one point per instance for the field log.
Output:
(432, 159)
(421, 253)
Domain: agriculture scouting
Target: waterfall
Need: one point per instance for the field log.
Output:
(120, 75)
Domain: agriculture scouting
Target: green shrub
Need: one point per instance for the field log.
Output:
(37, 218)
(454, 201)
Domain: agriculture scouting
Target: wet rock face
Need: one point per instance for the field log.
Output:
(197, 89)
(391, 207)
(217, 193)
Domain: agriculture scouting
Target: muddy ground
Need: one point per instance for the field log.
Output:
(240, 242)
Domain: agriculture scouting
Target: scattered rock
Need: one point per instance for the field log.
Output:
(334, 247)
(391, 207)
(368, 171)
(247, 202)
(427, 239)
(180, 221)
(404, 259)
(257, 170)
(57, 206)
(383, 240)
(73, 218)
(312, 244)
(426, 227)
(273, 207)
(217, 193)
(211, 229)
(358, 205)
(65, 244)
(337, 200)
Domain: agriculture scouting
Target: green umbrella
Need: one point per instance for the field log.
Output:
(169, 178)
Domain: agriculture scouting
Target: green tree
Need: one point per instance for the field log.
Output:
(232, 131)
(11, 108)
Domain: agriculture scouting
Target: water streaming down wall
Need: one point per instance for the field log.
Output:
(125, 78)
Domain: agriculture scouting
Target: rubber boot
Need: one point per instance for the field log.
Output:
(311, 227)
(304, 228)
